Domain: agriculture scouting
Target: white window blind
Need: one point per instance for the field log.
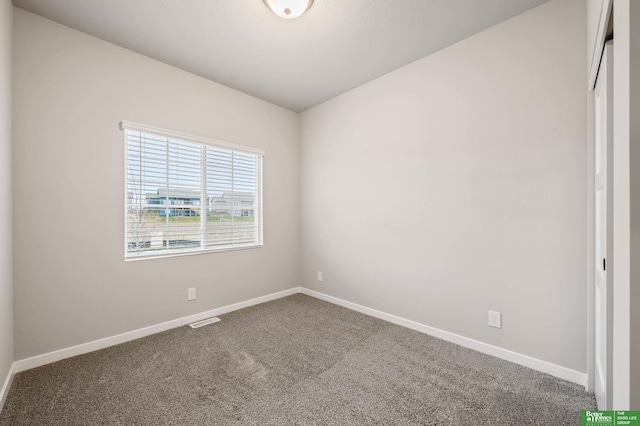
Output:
(186, 194)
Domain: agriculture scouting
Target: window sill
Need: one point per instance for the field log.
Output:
(177, 253)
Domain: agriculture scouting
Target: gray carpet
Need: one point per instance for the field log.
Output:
(293, 361)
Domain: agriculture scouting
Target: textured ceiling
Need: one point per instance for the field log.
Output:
(336, 46)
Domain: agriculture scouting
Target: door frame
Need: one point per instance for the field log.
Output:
(622, 34)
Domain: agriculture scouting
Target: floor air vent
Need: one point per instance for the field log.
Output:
(204, 322)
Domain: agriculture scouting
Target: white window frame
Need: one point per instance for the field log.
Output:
(170, 134)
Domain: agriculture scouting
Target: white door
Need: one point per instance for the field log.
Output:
(603, 296)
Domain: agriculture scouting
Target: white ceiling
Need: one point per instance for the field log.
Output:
(336, 46)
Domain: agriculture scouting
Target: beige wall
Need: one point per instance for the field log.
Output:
(71, 282)
(457, 184)
(6, 280)
(634, 150)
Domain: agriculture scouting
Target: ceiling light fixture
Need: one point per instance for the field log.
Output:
(288, 9)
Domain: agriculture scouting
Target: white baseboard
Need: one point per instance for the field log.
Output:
(48, 358)
(7, 384)
(524, 360)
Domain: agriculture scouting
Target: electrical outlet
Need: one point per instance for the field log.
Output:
(319, 276)
(191, 293)
(495, 319)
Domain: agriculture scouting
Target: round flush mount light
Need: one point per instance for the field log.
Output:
(288, 9)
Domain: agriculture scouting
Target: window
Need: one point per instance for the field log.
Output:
(187, 194)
